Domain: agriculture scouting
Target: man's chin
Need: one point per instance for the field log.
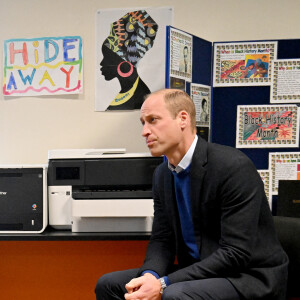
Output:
(155, 152)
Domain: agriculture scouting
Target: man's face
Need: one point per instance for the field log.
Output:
(162, 132)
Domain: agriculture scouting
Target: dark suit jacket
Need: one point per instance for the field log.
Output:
(233, 226)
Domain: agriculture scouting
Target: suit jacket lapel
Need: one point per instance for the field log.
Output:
(171, 206)
(198, 171)
(169, 195)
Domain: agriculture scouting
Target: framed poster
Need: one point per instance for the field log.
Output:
(181, 58)
(201, 95)
(130, 55)
(262, 126)
(285, 87)
(240, 64)
(43, 66)
(285, 166)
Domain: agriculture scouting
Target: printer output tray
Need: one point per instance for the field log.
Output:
(80, 195)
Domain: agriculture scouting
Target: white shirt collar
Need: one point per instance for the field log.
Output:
(186, 160)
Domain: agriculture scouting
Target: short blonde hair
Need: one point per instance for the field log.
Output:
(176, 101)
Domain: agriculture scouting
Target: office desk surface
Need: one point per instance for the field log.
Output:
(66, 235)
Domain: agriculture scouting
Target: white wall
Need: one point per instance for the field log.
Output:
(30, 126)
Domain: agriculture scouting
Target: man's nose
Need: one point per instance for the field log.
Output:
(146, 130)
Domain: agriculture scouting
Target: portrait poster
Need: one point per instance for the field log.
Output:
(181, 50)
(283, 166)
(263, 126)
(243, 64)
(42, 66)
(265, 177)
(201, 96)
(285, 87)
(130, 55)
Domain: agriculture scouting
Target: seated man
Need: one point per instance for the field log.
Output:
(210, 213)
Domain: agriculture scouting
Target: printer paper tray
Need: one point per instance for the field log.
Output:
(124, 224)
(79, 195)
(112, 208)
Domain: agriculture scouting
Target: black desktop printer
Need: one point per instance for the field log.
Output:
(101, 190)
(23, 198)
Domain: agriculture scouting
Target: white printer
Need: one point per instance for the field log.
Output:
(101, 190)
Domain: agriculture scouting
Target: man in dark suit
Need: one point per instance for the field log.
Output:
(210, 214)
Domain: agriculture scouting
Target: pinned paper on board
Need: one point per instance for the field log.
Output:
(285, 87)
(181, 49)
(283, 166)
(201, 96)
(43, 66)
(267, 126)
(238, 64)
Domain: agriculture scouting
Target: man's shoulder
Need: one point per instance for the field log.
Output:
(217, 153)
(228, 150)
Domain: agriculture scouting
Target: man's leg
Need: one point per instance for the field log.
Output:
(205, 289)
(112, 285)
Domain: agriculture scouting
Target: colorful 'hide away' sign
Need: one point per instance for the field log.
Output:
(42, 66)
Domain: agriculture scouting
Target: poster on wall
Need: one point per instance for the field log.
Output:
(261, 126)
(201, 96)
(42, 66)
(286, 81)
(240, 64)
(181, 49)
(283, 166)
(265, 177)
(130, 56)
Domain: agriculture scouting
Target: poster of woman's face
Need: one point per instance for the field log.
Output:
(130, 56)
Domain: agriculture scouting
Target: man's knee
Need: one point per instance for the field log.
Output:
(169, 294)
(112, 285)
(214, 288)
(178, 291)
(104, 284)
(172, 292)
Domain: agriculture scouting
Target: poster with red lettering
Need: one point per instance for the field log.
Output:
(262, 126)
(243, 64)
(42, 66)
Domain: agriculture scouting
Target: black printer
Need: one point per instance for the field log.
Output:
(23, 198)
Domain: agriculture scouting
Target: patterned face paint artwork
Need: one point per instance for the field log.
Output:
(132, 36)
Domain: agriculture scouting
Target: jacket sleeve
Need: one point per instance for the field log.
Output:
(160, 253)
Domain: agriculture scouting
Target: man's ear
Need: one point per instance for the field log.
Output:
(184, 119)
